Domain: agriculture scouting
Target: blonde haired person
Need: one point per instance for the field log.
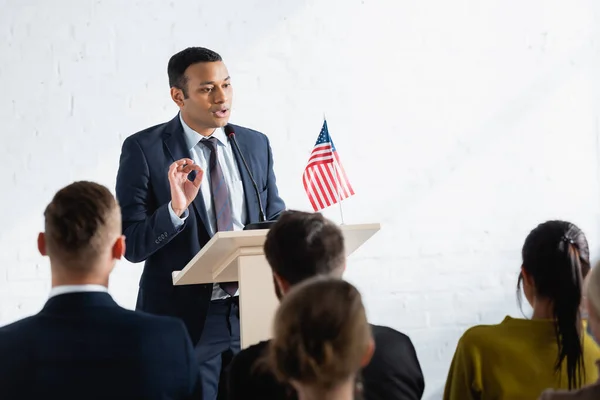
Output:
(321, 339)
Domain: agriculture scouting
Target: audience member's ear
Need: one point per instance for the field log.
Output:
(118, 249)
(368, 354)
(527, 279)
(283, 285)
(41, 242)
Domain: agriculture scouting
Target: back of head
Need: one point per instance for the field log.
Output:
(301, 245)
(81, 223)
(321, 334)
(556, 257)
(179, 63)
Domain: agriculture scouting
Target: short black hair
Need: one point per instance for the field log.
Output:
(301, 245)
(181, 61)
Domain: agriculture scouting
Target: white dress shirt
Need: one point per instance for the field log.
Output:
(63, 289)
(200, 153)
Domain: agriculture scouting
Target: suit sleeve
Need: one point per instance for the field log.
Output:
(459, 384)
(146, 227)
(275, 204)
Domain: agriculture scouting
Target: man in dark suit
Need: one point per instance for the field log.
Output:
(180, 182)
(300, 246)
(82, 345)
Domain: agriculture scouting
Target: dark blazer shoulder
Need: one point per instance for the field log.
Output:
(390, 344)
(154, 134)
(245, 359)
(15, 330)
(385, 332)
(249, 134)
(394, 371)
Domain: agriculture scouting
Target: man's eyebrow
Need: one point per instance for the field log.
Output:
(212, 82)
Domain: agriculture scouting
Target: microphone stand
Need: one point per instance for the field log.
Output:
(263, 223)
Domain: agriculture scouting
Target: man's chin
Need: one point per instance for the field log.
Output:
(220, 122)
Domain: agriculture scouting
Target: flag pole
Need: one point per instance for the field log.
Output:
(335, 177)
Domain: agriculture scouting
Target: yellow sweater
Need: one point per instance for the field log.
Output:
(512, 360)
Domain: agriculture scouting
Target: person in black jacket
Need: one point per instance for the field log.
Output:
(300, 246)
(82, 345)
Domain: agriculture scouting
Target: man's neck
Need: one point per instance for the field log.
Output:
(61, 278)
(78, 282)
(344, 391)
(202, 130)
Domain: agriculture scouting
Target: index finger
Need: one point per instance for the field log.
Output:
(199, 175)
(184, 161)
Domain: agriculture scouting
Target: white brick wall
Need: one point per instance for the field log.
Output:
(461, 126)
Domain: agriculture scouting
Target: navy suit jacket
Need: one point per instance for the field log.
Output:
(84, 346)
(144, 194)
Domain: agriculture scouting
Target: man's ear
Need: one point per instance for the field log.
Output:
(368, 354)
(118, 249)
(41, 243)
(177, 96)
(284, 285)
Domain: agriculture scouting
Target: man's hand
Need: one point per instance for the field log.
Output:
(183, 191)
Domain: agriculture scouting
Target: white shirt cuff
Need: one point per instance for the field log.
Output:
(177, 221)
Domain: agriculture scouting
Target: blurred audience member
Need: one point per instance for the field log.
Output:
(300, 246)
(519, 358)
(82, 345)
(321, 339)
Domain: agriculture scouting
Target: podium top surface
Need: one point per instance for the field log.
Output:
(222, 249)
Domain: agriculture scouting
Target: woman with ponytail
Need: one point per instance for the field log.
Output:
(321, 340)
(592, 304)
(519, 358)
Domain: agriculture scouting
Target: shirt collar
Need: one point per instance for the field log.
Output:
(63, 289)
(192, 137)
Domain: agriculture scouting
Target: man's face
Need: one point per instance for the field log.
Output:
(209, 96)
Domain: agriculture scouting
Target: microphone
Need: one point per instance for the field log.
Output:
(262, 223)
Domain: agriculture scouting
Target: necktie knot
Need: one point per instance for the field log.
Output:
(210, 142)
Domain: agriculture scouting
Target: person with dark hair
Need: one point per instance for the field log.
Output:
(592, 305)
(321, 339)
(82, 345)
(178, 184)
(298, 247)
(519, 358)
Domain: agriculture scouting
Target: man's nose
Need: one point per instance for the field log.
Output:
(220, 96)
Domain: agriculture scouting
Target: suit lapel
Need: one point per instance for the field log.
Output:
(249, 193)
(177, 147)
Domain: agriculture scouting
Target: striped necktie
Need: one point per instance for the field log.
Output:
(221, 200)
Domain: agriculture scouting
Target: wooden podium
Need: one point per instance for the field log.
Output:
(238, 256)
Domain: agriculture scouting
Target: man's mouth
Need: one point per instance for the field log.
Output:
(221, 113)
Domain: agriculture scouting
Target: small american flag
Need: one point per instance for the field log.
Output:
(325, 180)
